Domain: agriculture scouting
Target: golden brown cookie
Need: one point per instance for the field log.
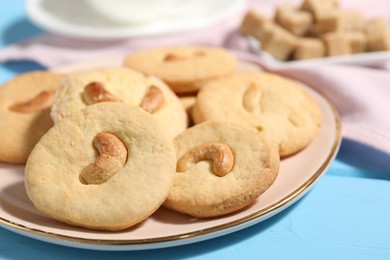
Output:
(221, 168)
(183, 68)
(82, 89)
(107, 167)
(276, 106)
(25, 102)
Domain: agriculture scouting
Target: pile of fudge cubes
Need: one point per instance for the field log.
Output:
(316, 29)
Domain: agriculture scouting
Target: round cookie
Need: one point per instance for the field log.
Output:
(184, 68)
(276, 106)
(120, 84)
(137, 161)
(222, 167)
(25, 102)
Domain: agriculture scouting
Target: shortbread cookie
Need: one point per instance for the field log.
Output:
(107, 167)
(222, 167)
(25, 104)
(120, 85)
(183, 68)
(275, 106)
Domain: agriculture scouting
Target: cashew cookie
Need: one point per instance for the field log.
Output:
(276, 106)
(82, 89)
(184, 68)
(107, 167)
(221, 168)
(25, 102)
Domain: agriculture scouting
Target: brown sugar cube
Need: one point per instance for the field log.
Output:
(378, 35)
(336, 44)
(353, 20)
(338, 20)
(266, 32)
(252, 23)
(327, 21)
(281, 43)
(375, 25)
(291, 18)
(379, 42)
(309, 48)
(350, 20)
(316, 6)
(357, 41)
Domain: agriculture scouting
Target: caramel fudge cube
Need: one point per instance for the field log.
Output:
(357, 41)
(378, 35)
(336, 44)
(309, 48)
(281, 43)
(252, 23)
(294, 20)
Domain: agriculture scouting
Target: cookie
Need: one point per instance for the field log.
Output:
(120, 85)
(25, 102)
(276, 106)
(188, 102)
(183, 68)
(222, 167)
(106, 167)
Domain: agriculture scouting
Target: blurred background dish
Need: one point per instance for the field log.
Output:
(136, 11)
(369, 59)
(77, 19)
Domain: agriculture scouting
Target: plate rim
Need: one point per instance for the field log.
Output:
(188, 237)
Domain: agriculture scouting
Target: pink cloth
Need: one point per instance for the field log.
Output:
(361, 95)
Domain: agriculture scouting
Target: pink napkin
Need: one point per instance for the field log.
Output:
(361, 95)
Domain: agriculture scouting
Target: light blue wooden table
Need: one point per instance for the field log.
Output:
(345, 216)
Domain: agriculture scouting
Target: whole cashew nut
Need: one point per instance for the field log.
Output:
(95, 92)
(177, 57)
(252, 97)
(220, 154)
(112, 158)
(152, 100)
(41, 101)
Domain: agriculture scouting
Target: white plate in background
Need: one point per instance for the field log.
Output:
(369, 59)
(74, 18)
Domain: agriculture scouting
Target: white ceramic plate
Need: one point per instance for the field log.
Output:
(371, 59)
(165, 228)
(75, 18)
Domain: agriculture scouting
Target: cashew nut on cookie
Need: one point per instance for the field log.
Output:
(95, 92)
(112, 158)
(152, 100)
(220, 154)
(251, 98)
(41, 101)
